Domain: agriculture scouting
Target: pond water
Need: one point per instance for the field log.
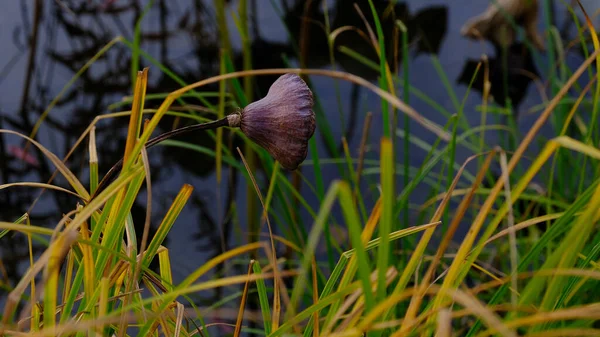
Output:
(183, 36)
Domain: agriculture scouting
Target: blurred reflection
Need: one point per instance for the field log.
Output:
(509, 79)
(306, 22)
(426, 31)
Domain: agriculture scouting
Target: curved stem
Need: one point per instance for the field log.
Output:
(162, 137)
(187, 129)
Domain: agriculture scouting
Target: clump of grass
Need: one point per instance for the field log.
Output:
(94, 278)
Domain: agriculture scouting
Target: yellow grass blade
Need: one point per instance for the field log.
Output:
(240, 317)
(458, 267)
(135, 121)
(460, 212)
(89, 279)
(40, 185)
(57, 252)
(167, 223)
(165, 268)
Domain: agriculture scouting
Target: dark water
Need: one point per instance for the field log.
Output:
(183, 36)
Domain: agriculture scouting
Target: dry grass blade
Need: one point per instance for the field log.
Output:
(458, 265)
(240, 317)
(375, 44)
(591, 312)
(468, 300)
(372, 36)
(484, 313)
(523, 225)
(444, 323)
(273, 257)
(547, 112)
(179, 318)
(334, 34)
(93, 161)
(350, 300)
(462, 209)
(584, 273)
(355, 316)
(42, 185)
(416, 300)
(92, 148)
(577, 104)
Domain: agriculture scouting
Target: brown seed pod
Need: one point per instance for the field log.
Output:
(282, 122)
